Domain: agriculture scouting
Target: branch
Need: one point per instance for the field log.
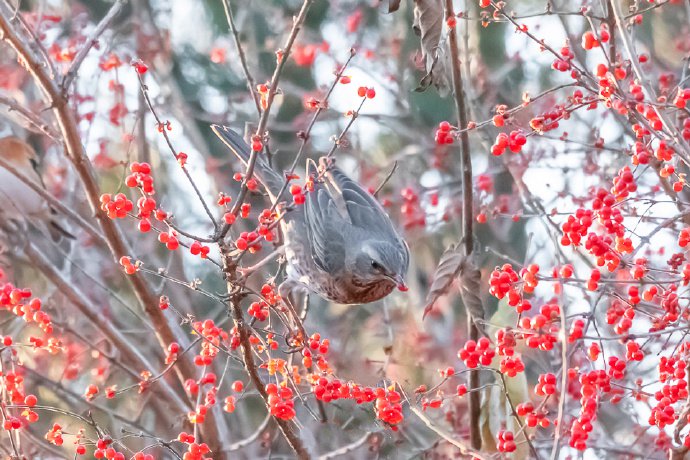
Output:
(464, 448)
(129, 351)
(263, 121)
(251, 83)
(90, 43)
(87, 176)
(467, 212)
(286, 428)
(54, 202)
(347, 449)
(161, 128)
(30, 117)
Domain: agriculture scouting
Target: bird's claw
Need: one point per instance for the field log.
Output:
(295, 340)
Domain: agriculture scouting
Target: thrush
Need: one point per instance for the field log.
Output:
(22, 205)
(340, 244)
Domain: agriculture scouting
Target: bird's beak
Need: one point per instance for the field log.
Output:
(400, 282)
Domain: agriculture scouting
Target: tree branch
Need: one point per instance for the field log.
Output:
(467, 212)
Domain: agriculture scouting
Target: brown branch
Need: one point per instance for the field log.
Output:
(130, 351)
(464, 448)
(349, 448)
(91, 41)
(286, 427)
(84, 169)
(32, 118)
(467, 212)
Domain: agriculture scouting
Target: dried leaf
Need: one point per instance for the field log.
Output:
(393, 5)
(470, 288)
(447, 271)
(454, 265)
(428, 25)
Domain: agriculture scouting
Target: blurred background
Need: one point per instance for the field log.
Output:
(195, 79)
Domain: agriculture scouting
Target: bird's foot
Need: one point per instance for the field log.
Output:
(296, 340)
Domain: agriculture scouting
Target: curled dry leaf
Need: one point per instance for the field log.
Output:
(393, 5)
(455, 266)
(470, 279)
(428, 25)
(447, 271)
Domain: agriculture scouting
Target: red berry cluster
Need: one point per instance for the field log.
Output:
(475, 353)
(546, 385)
(529, 276)
(116, 207)
(545, 324)
(388, 407)
(576, 330)
(140, 176)
(213, 336)
(506, 441)
(297, 193)
(563, 64)
(172, 352)
(532, 416)
(412, 213)
(280, 401)
(199, 249)
(512, 365)
(502, 282)
(684, 237)
(591, 383)
(21, 304)
(195, 451)
(443, 134)
(513, 141)
(248, 241)
(576, 227)
(169, 239)
(104, 449)
(623, 184)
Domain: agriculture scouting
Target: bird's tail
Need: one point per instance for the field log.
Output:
(262, 170)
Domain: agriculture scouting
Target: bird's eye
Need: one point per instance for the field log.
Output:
(376, 266)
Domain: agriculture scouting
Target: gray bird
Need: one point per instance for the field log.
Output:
(340, 244)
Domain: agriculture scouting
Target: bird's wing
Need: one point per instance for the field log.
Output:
(262, 170)
(363, 210)
(325, 229)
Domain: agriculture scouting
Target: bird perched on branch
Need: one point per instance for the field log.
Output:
(340, 244)
(20, 204)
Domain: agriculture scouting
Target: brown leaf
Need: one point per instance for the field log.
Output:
(470, 289)
(447, 271)
(393, 5)
(428, 25)
(454, 265)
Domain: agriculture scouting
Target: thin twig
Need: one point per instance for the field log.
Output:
(263, 121)
(251, 83)
(91, 41)
(54, 202)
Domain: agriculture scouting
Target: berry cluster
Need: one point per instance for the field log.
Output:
(475, 353)
(443, 134)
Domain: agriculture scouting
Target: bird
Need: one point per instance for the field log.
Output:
(21, 204)
(340, 244)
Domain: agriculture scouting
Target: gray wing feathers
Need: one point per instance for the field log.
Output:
(325, 230)
(266, 175)
(363, 209)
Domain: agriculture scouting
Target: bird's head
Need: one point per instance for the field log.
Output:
(382, 261)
